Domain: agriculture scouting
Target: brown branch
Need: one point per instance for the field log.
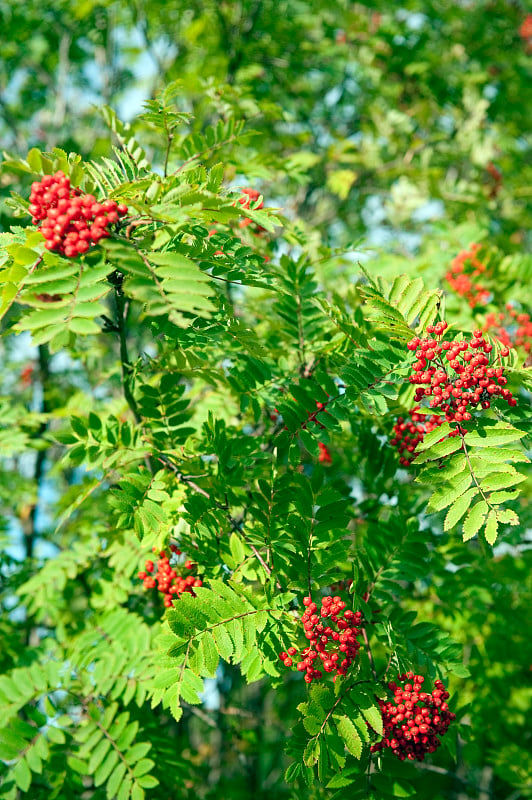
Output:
(370, 654)
(122, 307)
(180, 476)
(235, 524)
(40, 459)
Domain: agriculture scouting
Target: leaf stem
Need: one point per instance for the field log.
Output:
(466, 453)
(483, 544)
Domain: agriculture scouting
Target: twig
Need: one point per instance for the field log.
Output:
(201, 715)
(235, 524)
(30, 528)
(466, 453)
(122, 307)
(309, 556)
(181, 477)
(169, 140)
(370, 654)
(40, 459)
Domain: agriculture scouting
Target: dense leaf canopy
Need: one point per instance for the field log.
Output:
(242, 398)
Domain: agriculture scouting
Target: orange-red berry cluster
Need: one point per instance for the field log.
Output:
(324, 456)
(410, 431)
(514, 329)
(250, 196)
(414, 719)
(525, 29)
(465, 268)
(165, 577)
(457, 375)
(71, 222)
(336, 647)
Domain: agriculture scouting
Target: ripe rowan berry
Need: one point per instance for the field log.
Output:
(166, 578)
(525, 29)
(324, 455)
(413, 720)
(249, 196)
(26, 375)
(465, 268)
(70, 221)
(409, 432)
(326, 643)
(473, 382)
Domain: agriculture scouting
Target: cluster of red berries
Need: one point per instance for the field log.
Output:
(474, 380)
(409, 432)
(513, 329)
(414, 719)
(70, 221)
(324, 456)
(165, 577)
(525, 31)
(335, 647)
(250, 196)
(465, 268)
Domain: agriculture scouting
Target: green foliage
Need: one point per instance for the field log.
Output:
(478, 478)
(110, 752)
(220, 383)
(220, 622)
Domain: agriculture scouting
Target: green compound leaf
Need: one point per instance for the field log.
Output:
(350, 735)
(475, 520)
(435, 435)
(491, 528)
(459, 508)
(507, 516)
(502, 433)
(439, 450)
(449, 493)
(312, 752)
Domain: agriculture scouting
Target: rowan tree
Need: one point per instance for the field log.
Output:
(265, 395)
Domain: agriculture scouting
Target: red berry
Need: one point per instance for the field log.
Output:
(66, 214)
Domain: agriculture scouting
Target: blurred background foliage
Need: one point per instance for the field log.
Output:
(388, 116)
